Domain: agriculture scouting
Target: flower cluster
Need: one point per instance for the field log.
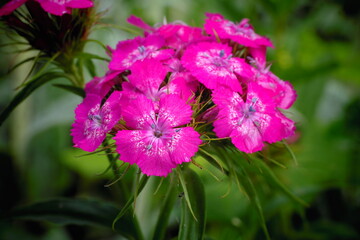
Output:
(170, 91)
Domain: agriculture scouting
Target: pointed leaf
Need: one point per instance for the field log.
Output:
(191, 228)
(161, 225)
(90, 66)
(26, 91)
(73, 89)
(84, 55)
(247, 185)
(140, 187)
(77, 211)
(274, 181)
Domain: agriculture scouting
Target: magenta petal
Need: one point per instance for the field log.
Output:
(129, 51)
(147, 76)
(138, 113)
(247, 138)
(250, 123)
(178, 36)
(102, 85)
(286, 95)
(211, 63)
(59, 8)
(282, 92)
(133, 147)
(92, 122)
(157, 156)
(242, 33)
(227, 117)
(11, 6)
(174, 110)
(79, 4)
(138, 22)
(258, 57)
(183, 88)
(54, 7)
(184, 144)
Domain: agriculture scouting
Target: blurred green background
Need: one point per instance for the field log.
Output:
(317, 49)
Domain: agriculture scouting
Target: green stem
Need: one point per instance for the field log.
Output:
(124, 192)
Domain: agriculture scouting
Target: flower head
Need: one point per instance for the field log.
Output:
(251, 121)
(214, 66)
(242, 33)
(130, 51)
(93, 121)
(158, 140)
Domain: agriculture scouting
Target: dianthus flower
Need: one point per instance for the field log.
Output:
(93, 121)
(251, 121)
(130, 51)
(242, 33)
(281, 91)
(55, 7)
(214, 66)
(158, 139)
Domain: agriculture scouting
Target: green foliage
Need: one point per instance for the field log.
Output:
(77, 211)
(193, 220)
(247, 196)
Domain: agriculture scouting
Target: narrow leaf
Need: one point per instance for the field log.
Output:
(73, 89)
(84, 55)
(191, 228)
(26, 91)
(21, 63)
(213, 160)
(90, 66)
(140, 187)
(274, 181)
(291, 152)
(161, 225)
(77, 211)
(248, 186)
(186, 193)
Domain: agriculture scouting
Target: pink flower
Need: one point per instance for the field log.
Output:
(158, 140)
(242, 33)
(56, 7)
(251, 121)
(138, 22)
(130, 51)
(213, 65)
(178, 36)
(146, 76)
(102, 85)
(281, 91)
(93, 121)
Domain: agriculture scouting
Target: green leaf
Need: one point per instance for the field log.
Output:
(274, 181)
(22, 62)
(90, 66)
(238, 170)
(161, 225)
(140, 187)
(73, 89)
(79, 212)
(26, 91)
(84, 55)
(193, 204)
(244, 180)
(213, 160)
(98, 43)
